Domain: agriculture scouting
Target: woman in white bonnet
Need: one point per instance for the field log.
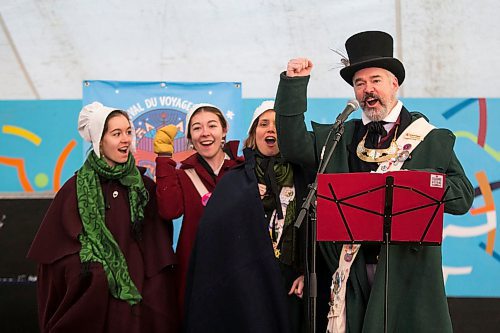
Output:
(104, 256)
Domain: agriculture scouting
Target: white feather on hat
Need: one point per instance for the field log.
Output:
(263, 107)
(91, 124)
(194, 108)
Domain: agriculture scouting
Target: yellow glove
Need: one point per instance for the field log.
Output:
(164, 140)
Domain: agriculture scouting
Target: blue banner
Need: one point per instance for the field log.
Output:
(152, 105)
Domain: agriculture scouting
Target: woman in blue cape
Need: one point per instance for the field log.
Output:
(246, 269)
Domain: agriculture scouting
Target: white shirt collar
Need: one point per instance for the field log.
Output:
(226, 157)
(392, 117)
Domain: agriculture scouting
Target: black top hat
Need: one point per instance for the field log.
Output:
(371, 49)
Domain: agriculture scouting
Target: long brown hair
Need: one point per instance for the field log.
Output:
(250, 140)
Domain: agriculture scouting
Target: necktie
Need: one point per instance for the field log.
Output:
(375, 130)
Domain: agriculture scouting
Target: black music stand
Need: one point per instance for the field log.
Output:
(398, 207)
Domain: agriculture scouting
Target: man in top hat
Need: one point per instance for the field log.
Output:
(387, 138)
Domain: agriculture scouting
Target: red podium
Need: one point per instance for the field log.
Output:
(405, 206)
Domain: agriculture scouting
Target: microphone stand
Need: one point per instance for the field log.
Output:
(311, 278)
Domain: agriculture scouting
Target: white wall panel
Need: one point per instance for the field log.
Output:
(449, 48)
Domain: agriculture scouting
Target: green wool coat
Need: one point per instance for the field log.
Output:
(416, 298)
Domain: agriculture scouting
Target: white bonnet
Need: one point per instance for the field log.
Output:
(91, 124)
(263, 107)
(193, 109)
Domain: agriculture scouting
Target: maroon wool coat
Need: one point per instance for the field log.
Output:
(177, 196)
(75, 298)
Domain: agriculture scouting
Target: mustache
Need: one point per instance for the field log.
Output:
(369, 95)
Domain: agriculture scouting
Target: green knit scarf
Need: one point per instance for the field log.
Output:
(98, 244)
(275, 173)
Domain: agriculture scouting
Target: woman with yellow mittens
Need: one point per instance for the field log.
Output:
(185, 191)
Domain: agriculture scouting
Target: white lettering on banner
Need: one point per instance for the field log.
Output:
(164, 101)
(151, 102)
(154, 102)
(175, 102)
(134, 110)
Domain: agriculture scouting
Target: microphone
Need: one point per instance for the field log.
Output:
(351, 106)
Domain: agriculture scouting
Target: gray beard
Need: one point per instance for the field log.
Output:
(373, 116)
